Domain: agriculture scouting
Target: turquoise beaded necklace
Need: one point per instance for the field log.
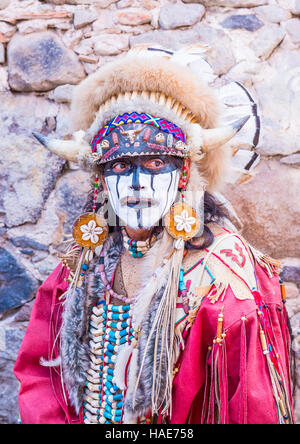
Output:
(110, 328)
(136, 248)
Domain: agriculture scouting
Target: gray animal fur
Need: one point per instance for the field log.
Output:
(74, 332)
(74, 350)
(74, 337)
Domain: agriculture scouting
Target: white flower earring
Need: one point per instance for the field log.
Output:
(90, 229)
(89, 232)
(182, 220)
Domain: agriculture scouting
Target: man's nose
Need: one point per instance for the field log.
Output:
(135, 185)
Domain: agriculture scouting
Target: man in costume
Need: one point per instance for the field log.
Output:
(158, 312)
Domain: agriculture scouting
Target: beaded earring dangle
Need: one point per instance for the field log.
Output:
(89, 231)
(96, 190)
(182, 221)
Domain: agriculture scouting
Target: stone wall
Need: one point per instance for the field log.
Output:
(48, 46)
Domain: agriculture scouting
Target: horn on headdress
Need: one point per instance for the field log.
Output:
(66, 149)
(212, 138)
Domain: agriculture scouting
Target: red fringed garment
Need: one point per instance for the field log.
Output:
(234, 368)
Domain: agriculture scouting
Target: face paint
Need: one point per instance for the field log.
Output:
(141, 196)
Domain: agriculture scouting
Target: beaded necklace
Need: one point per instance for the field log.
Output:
(137, 248)
(108, 286)
(110, 327)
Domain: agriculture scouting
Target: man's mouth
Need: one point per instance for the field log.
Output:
(138, 202)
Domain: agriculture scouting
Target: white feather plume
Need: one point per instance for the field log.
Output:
(122, 359)
(51, 363)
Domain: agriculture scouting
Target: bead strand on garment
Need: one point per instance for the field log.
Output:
(110, 327)
(101, 392)
(108, 286)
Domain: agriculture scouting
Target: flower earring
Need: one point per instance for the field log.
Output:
(182, 220)
(89, 231)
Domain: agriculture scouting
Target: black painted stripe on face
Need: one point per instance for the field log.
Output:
(139, 219)
(152, 178)
(171, 180)
(136, 178)
(117, 186)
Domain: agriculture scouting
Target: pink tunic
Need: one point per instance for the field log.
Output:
(246, 395)
(225, 382)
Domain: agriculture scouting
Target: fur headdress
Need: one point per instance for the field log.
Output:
(171, 86)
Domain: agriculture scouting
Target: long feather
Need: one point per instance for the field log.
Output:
(189, 54)
(238, 101)
(50, 363)
(120, 366)
(163, 355)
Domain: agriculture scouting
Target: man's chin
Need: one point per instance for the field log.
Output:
(134, 225)
(141, 226)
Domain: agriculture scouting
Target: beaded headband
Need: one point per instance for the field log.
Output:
(134, 117)
(137, 134)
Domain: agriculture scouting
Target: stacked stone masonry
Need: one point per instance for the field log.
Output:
(48, 46)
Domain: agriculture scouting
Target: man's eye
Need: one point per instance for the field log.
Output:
(154, 163)
(119, 167)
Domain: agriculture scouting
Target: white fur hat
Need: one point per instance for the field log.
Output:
(172, 86)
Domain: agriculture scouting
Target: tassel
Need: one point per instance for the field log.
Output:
(164, 319)
(243, 373)
(215, 409)
(73, 350)
(279, 388)
(223, 384)
(271, 265)
(70, 258)
(218, 403)
(77, 260)
(54, 350)
(204, 412)
(211, 404)
(279, 394)
(179, 342)
(284, 331)
(284, 321)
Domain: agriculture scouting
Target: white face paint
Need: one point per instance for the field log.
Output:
(141, 198)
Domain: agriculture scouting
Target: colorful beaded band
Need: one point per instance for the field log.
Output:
(147, 119)
(137, 249)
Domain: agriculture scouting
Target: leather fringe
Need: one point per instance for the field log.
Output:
(215, 404)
